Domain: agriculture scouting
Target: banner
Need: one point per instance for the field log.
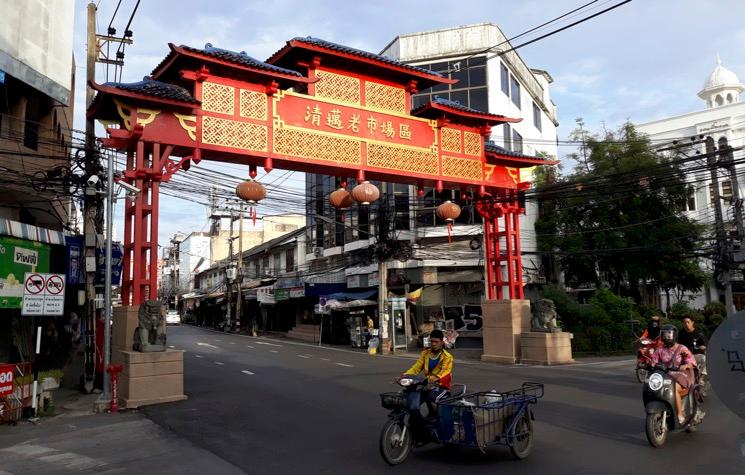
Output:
(117, 256)
(75, 252)
(18, 256)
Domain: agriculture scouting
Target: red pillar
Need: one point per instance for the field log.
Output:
(494, 209)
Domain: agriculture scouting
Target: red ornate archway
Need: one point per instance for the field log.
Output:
(316, 107)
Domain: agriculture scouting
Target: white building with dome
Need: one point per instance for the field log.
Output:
(722, 117)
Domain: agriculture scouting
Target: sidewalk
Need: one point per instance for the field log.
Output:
(79, 441)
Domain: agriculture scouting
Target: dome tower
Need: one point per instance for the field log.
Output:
(722, 87)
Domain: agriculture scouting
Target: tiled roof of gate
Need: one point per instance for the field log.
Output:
(491, 147)
(150, 87)
(240, 58)
(358, 52)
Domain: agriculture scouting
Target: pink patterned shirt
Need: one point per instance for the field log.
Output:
(677, 355)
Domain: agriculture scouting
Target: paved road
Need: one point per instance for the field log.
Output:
(271, 406)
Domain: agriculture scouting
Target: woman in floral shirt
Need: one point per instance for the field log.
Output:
(676, 355)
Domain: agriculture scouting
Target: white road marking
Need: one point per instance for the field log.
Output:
(325, 359)
(199, 343)
(345, 365)
(273, 351)
(303, 356)
(219, 363)
(247, 372)
(249, 346)
(29, 450)
(199, 356)
(232, 343)
(171, 346)
(265, 343)
(217, 339)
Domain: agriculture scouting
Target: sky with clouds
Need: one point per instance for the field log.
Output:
(642, 61)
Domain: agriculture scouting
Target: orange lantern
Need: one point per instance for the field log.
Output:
(365, 193)
(251, 191)
(448, 211)
(341, 199)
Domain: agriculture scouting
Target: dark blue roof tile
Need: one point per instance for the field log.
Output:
(363, 54)
(491, 147)
(240, 58)
(150, 87)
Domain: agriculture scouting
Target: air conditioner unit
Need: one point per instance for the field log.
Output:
(318, 251)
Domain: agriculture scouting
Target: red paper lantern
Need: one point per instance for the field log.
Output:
(251, 191)
(341, 199)
(365, 193)
(448, 211)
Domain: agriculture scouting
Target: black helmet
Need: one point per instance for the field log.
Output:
(669, 335)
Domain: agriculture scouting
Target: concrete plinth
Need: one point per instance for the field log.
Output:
(504, 322)
(125, 321)
(546, 348)
(151, 378)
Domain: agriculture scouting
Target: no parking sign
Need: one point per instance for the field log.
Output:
(43, 294)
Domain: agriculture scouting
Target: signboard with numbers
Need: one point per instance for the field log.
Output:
(43, 294)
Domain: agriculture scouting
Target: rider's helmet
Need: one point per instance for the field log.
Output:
(669, 335)
(653, 328)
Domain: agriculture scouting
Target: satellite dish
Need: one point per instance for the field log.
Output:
(725, 361)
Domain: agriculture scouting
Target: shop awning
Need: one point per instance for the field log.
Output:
(353, 295)
(8, 227)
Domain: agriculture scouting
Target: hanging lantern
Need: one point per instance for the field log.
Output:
(341, 199)
(251, 191)
(365, 193)
(448, 211)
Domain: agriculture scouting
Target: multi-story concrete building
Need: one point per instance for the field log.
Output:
(722, 118)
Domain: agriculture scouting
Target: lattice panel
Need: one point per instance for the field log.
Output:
(297, 143)
(472, 142)
(461, 168)
(450, 140)
(218, 98)
(234, 134)
(253, 104)
(380, 96)
(338, 87)
(403, 159)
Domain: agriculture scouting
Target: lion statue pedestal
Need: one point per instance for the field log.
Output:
(545, 343)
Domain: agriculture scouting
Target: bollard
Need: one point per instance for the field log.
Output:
(114, 369)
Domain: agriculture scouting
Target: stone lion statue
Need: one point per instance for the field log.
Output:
(544, 316)
(150, 335)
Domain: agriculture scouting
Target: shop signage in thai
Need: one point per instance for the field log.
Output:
(6, 379)
(17, 257)
(43, 294)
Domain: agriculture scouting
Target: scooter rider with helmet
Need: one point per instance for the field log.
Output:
(674, 355)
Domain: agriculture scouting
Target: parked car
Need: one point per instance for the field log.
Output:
(173, 318)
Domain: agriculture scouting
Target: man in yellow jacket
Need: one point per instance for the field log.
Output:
(437, 365)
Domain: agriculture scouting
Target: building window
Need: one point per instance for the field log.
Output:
(691, 202)
(257, 268)
(725, 191)
(277, 264)
(401, 206)
(537, 117)
(517, 142)
(507, 137)
(515, 91)
(265, 265)
(469, 91)
(505, 77)
(290, 260)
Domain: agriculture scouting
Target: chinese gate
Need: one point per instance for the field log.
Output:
(315, 107)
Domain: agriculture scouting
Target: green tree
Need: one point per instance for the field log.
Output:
(618, 218)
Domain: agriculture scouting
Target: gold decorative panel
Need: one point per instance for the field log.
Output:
(218, 98)
(400, 158)
(467, 168)
(298, 143)
(388, 98)
(338, 87)
(253, 104)
(231, 133)
(473, 143)
(450, 140)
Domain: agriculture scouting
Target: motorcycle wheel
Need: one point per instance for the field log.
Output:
(520, 440)
(656, 429)
(393, 447)
(641, 375)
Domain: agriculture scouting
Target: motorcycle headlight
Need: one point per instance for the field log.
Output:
(405, 382)
(655, 381)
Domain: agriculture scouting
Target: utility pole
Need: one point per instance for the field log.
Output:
(228, 272)
(239, 274)
(385, 320)
(727, 160)
(91, 204)
(723, 254)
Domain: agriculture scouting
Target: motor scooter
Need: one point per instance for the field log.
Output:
(659, 403)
